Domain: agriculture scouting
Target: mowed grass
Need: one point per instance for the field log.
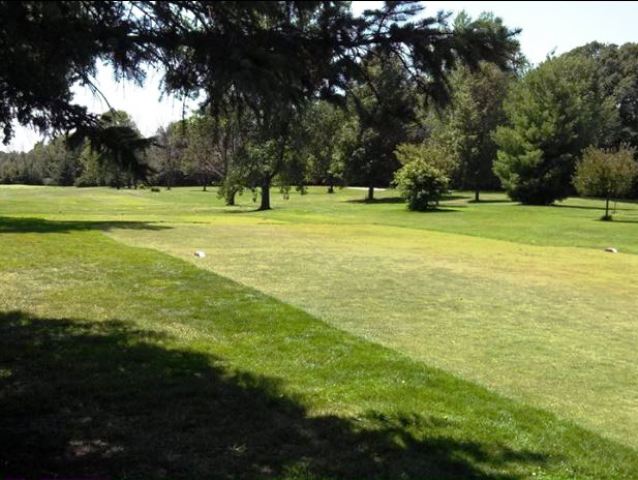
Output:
(519, 299)
(123, 362)
(522, 300)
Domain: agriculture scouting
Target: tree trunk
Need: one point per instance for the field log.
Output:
(230, 198)
(477, 194)
(265, 195)
(331, 188)
(607, 208)
(370, 194)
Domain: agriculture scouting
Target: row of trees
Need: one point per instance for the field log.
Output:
(74, 160)
(258, 66)
(568, 126)
(396, 110)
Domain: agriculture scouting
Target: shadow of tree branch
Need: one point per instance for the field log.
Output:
(40, 225)
(106, 399)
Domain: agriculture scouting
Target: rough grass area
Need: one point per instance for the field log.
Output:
(120, 362)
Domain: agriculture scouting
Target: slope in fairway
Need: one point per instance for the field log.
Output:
(541, 317)
(120, 362)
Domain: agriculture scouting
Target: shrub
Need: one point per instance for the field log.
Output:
(421, 184)
(605, 173)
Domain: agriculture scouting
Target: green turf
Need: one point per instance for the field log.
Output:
(550, 326)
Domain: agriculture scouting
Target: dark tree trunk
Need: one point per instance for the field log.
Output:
(331, 188)
(265, 195)
(230, 198)
(607, 208)
(477, 194)
(370, 194)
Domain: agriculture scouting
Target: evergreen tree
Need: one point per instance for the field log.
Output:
(553, 113)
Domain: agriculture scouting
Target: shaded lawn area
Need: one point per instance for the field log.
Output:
(41, 225)
(106, 398)
(120, 362)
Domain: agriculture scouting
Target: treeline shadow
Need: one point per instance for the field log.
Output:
(586, 207)
(40, 225)
(377, 201)
(105, 400)
(492, 201)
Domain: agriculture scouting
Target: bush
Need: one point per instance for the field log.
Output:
(421, 184)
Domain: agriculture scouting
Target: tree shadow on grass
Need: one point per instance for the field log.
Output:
(442, 209)
(584, 207)
(487, 202)
(106, 400)
(374, 201)
(620, 220)
(455, 196)
(40, 225)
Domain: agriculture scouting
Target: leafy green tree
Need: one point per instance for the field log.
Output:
(386, 111)
(553, 113)
(606, 173)
(234, 131)
(91, 171)
(271, 157)
(421, 184)
(113, 152)
(475, 111)
(618, 78)
(322, 140)
(62, 162)
(202, 157)
(168, 153)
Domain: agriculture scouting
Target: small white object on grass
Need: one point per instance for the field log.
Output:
(200, 254)
(611, 250)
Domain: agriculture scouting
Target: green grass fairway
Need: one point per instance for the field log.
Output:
(148, 362)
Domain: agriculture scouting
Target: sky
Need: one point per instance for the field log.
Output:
(546, 27)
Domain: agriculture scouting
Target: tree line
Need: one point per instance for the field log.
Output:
(315, 95)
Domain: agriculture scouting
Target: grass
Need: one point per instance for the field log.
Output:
(131, 363)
